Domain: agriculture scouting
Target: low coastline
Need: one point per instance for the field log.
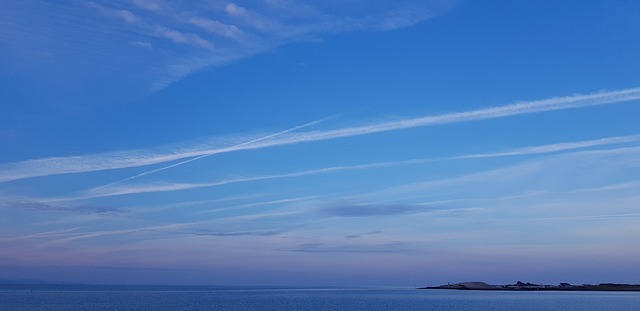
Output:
(521, 286)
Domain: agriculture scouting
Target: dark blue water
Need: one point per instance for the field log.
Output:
(63, 297)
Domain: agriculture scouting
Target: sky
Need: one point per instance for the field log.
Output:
(296, 142)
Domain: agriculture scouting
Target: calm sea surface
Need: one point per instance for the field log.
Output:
(63, 297)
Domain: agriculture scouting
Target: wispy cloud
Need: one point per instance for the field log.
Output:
(351, 209)
(40, 206)
(185, 36)
(159, 31)
(181, 37)
(122, 14)
(624, 217)
(39, 235)
(150, 5)
(133, 158)
(384, 248)
(234, 233)
(229, 149)
(520, 108)
(199, 229)
(217, 27)
(549, 175)
(172, 228)
(357, 236)
(557, 147)
(161, 187)
(166, 186)
(262, 203)
(77, 164)
(251, 18)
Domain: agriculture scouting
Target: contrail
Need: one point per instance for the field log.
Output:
(78, 164)
(550, 148)
(555, 147)
(519, 108)
(228, 149)
(41, 235)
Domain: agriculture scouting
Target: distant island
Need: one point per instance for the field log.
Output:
(521, 286)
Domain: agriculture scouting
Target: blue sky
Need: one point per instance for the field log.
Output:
(290, 142)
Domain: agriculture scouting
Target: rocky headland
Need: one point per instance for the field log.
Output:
(521, 286)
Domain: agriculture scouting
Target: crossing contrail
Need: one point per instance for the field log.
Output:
(116, 160)
(217, 151)
(541, 149)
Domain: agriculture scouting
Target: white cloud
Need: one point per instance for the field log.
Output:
(235, 10)
(493, 175)
(150, 5)
(520, 108)
(121, 14)
(557, 147)
(152, 29)
(235, 147)
(77, 164)
(573, 172)
(47, 234)
(186, 38)
(216, 27)
(400, 18)
(251, 18)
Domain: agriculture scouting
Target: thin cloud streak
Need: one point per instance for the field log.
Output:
(40, 206)
(180, 37)
(557, 147)
(47, 234)
(164, 187)
(145, 188)
(256, 204)
(624, 217)
(124, 159)
(382, 248)
(518, 172)
(214, 152)
(62, 165)
(520, 108)
(184, 228)
(160, 228)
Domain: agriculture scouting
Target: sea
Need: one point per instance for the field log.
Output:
(191, 298)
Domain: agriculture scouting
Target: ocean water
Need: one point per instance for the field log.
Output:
(111, 298)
